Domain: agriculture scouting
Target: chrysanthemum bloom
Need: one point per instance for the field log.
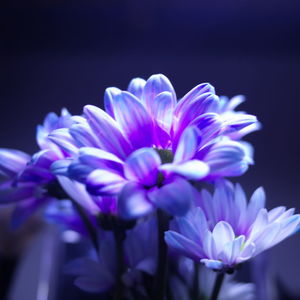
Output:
(147, 142)
(28, 181)
(224, 230)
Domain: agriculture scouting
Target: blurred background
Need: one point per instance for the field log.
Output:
(56, 54)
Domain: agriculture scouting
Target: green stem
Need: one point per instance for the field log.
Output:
(160, 281)
(89, 226)
(217, 286)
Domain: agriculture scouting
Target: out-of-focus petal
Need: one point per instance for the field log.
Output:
(78, 193)
(15, 194)
(12, 161)
(183, 245)
(62, 138)
(175, 198)
(109, 95)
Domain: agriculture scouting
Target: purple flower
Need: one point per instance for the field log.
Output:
(224, 230)
(147, 141)
(29, 181)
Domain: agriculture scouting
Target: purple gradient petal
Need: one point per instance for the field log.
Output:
(60, 167)
(205, 103)
(109, 95)
(133, 202)
(210, 126)
(226, 158)
(62, 138)
(136, 87)
(142, 166)
(83, 136)
(188, 144)
(107, 131)
(195, 93)
(12, 161)
(193, 169)
(155, 85)
(162, 110)
(133, 120)
(100, 159)
(104, 183)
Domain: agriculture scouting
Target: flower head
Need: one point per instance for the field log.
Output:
(224, 230)
(146, 141)
(28, 180)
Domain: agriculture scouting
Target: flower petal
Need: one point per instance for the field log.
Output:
(142, 166)
(83, 136)
(133, 120)
(188, 144)
(162, 110)
(155, 85)
(175, 197)
(136, 86)
(62, 138)
(193, 169)
(98, 159)
(222, 234)
(104, 183)
(107, 131)
(183, 245)
(109, 95)
(133, 201)
(226, 158)
(192, 95)
(12, 161)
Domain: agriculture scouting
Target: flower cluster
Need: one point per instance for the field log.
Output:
(131, 178)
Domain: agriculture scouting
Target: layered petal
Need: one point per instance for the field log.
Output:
(142, 166)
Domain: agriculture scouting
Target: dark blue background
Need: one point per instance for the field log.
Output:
(65, 53)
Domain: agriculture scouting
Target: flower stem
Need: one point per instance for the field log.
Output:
(119, 235)
(195, 289)
(89, 226)
(160, 280)
(217, 286)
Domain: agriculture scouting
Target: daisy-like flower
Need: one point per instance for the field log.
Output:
(28, 181)
(146, 145)
(224, 230)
